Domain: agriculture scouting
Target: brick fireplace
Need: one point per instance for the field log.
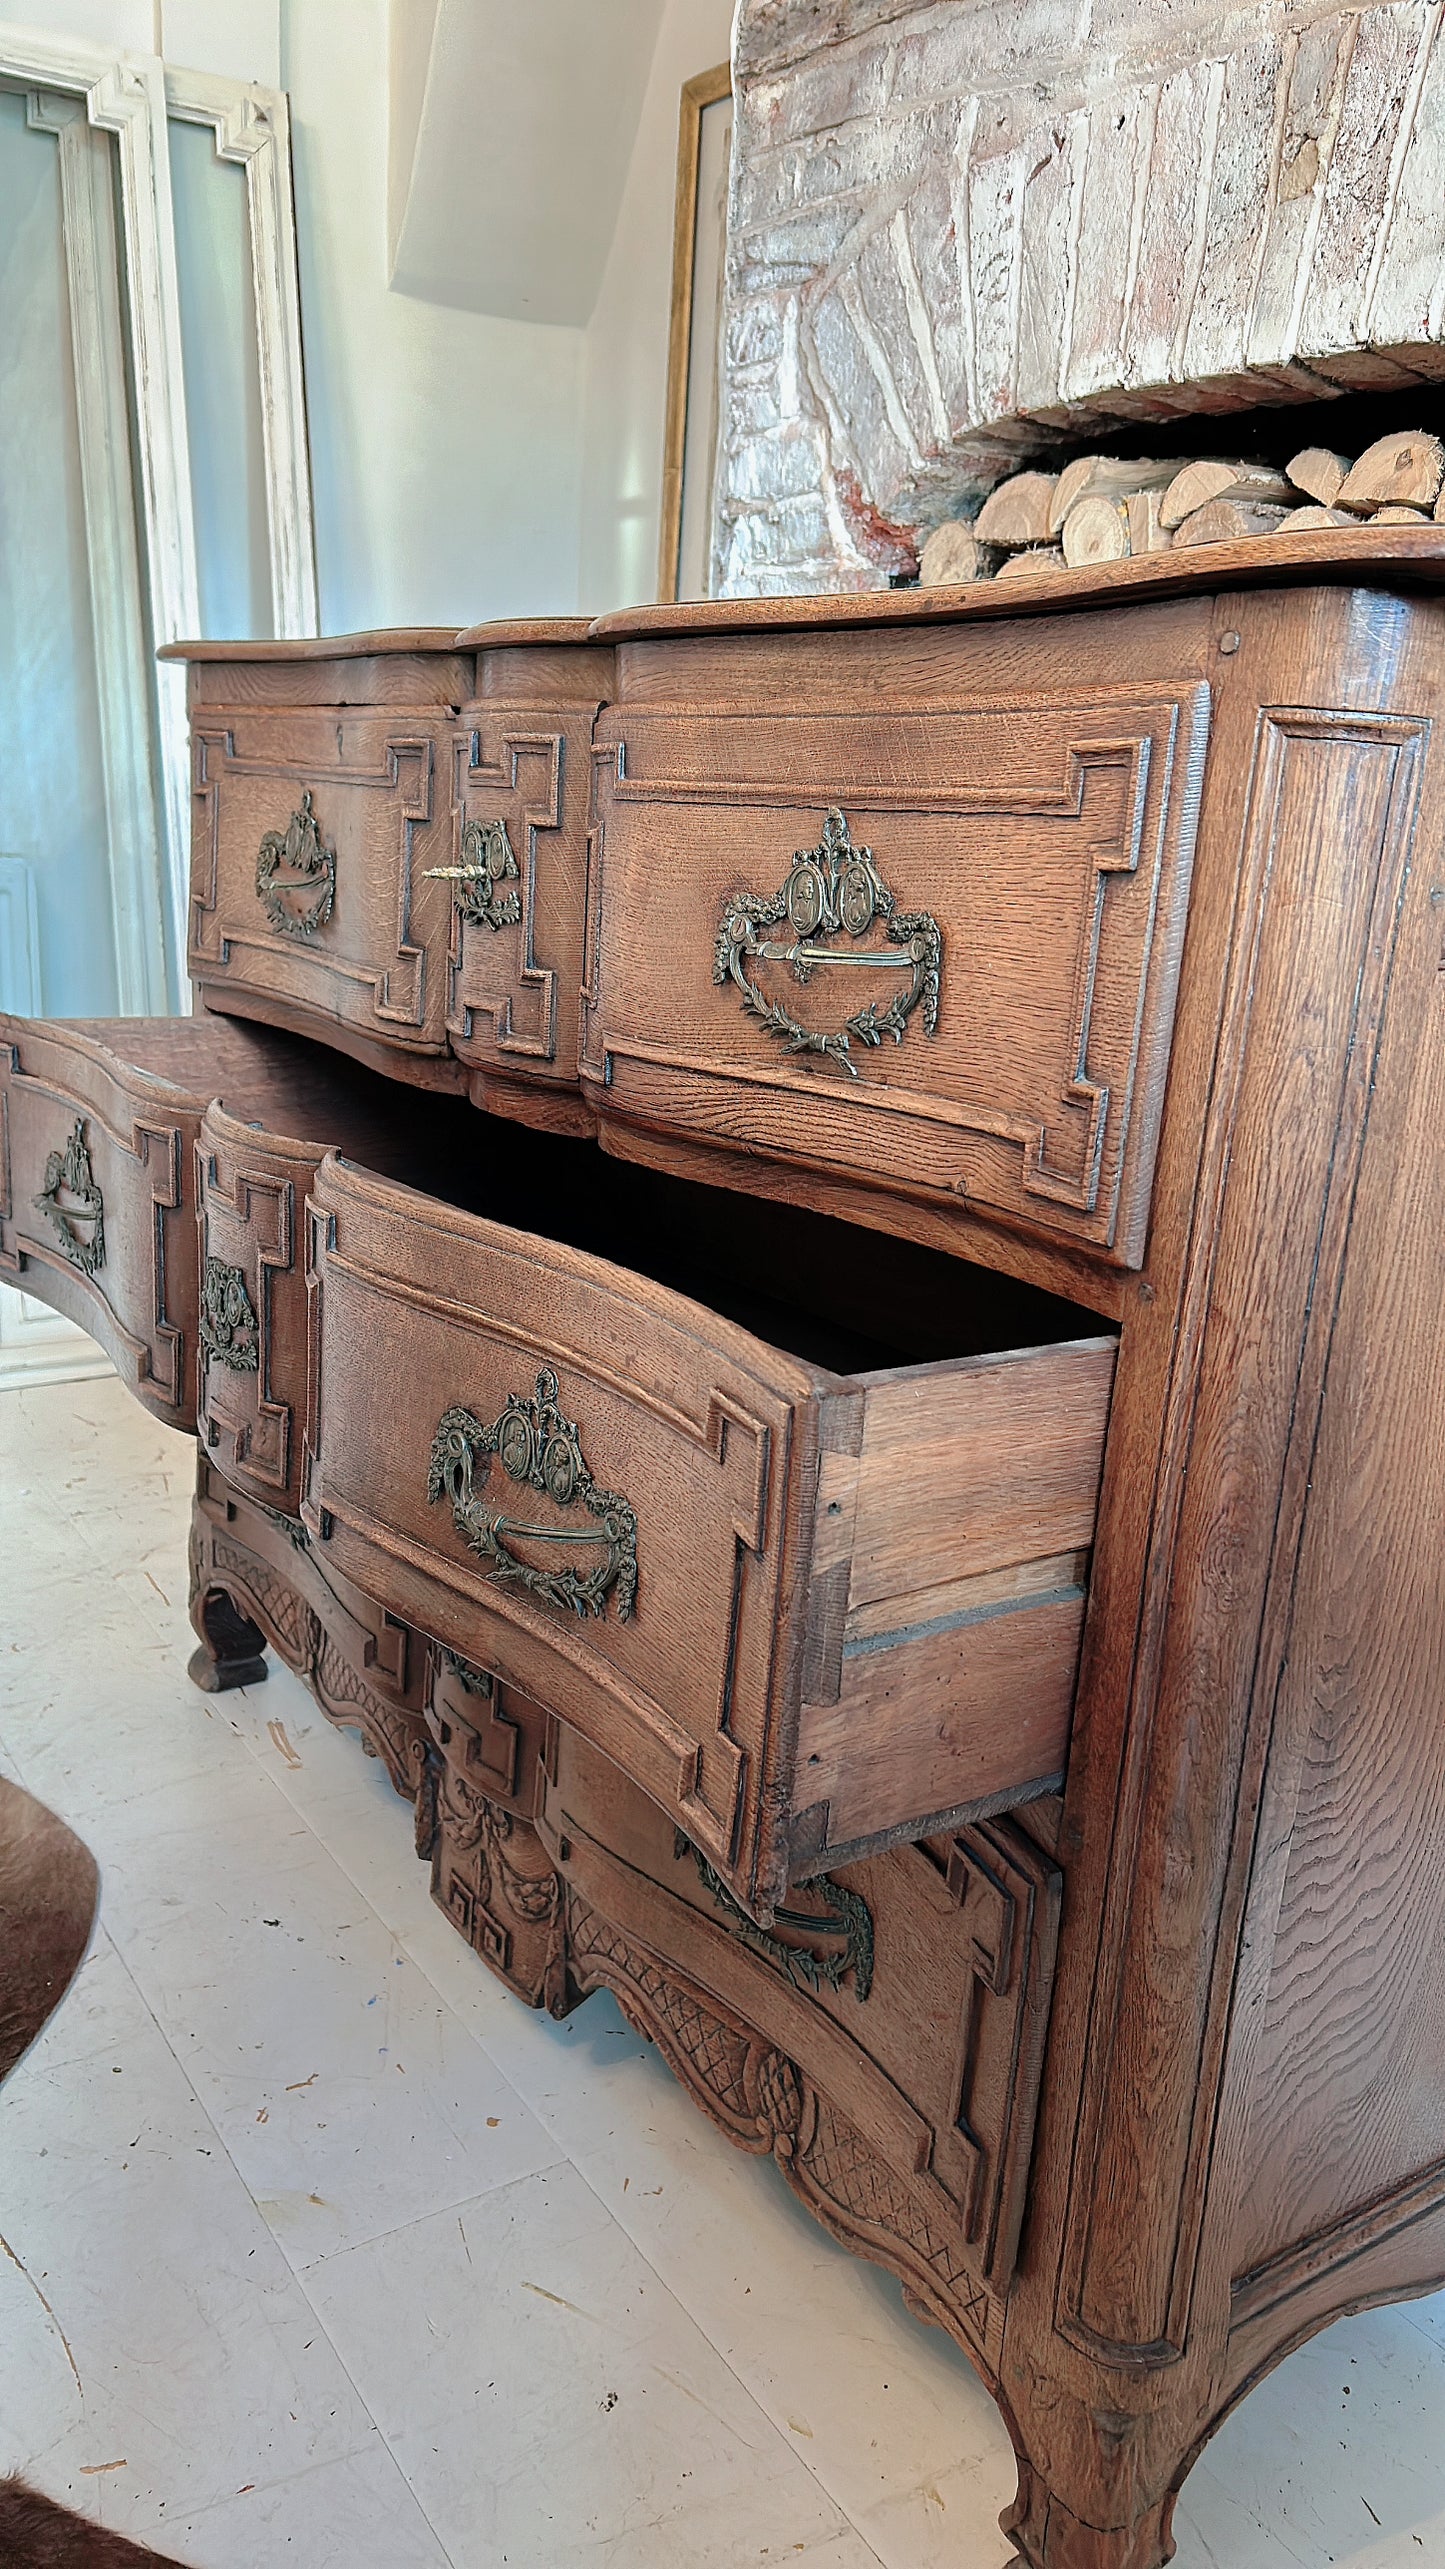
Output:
(965, 233)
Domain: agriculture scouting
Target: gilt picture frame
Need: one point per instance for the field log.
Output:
(690, 417)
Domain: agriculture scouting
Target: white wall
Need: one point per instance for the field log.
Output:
(240, 38)
(465, 466)
(625, 377)
(445, 445)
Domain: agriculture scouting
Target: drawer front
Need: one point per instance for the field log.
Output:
(520, 789)
(313, 834)
(97, 1209)
(568, 1483)
(960, 987)
(804, 1614)
(251, 1189)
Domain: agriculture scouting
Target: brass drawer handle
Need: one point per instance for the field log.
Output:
(488, 863)
(540, 1448)
(830, 890)
(75, 1204)
(845, 1914)
(230, 1331)
(296, 875)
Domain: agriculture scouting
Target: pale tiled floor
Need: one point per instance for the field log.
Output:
(319, 2248)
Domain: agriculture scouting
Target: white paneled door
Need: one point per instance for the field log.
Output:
(154, 477)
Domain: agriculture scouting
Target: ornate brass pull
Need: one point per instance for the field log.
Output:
(488, 863)
(831, 889)
(847, 1915)
(540, 1448)
(296, 875)
(75, 1204)
(230, 1331)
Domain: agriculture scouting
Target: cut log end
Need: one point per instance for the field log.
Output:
(1231, 522)
(954, 556)
(1195, 485)
(1402, 471)
(1318, 471)
(1096, 530)
(1033, 561)
(1018, 511)
(1110, 477)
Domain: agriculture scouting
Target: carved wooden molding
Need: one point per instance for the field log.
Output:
(1111, 794)
(493, 984)
(248, 1221)
(395, 991)
(763, 2101)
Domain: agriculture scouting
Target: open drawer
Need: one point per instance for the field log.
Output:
(811, 1596)
(98, 1126)
(115, 1132)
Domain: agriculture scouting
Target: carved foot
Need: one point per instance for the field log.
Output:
(233, 1649)
(1049, 2536)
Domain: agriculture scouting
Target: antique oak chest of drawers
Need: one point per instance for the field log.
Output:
(902, 1533)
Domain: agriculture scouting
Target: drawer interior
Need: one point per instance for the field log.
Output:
(848, 1299)
(830, 1292)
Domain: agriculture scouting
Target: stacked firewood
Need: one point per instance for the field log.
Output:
(1105, 508)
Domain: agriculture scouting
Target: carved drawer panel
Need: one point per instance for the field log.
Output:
(932, 950)
(884, 2039)
(520, 785)
(311, 897)
(98, 1127)
(253, 1175)
(491, 1875)
(805, 1611)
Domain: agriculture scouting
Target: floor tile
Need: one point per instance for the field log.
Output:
(1339, 2456)
(884, 2410)
(350, 2097)
(155, 2352)
(354, 2514)
(550, 2402)
(769, 2388)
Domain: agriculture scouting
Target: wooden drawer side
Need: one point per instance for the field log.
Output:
(965, 1520)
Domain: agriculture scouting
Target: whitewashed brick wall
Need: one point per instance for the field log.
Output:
(961, 229)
